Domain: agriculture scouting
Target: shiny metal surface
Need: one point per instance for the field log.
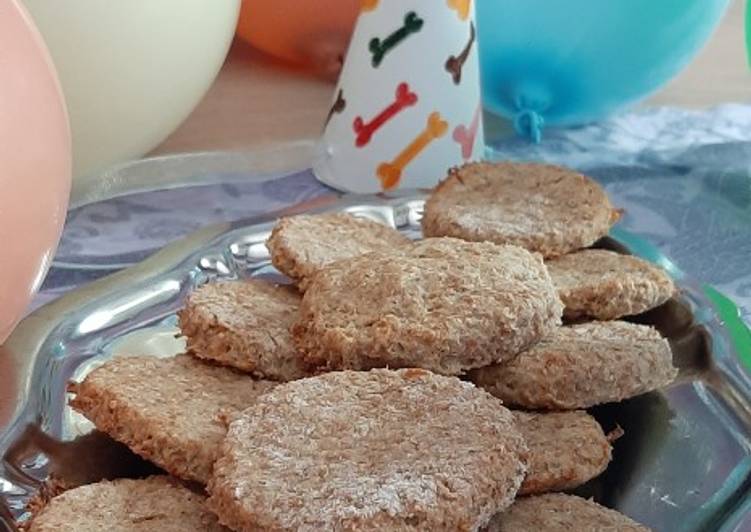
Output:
(683, 463)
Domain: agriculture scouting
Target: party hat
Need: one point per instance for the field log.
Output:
(407, 106)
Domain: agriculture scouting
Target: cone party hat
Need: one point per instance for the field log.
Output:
(407, 106)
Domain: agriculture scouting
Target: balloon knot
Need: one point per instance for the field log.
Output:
(528, 123)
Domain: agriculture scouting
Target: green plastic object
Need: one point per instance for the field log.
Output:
(748, 32)
(729, 313)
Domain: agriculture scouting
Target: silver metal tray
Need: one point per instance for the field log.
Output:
(683, 465)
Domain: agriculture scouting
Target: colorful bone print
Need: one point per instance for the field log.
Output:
(337, 107)
(455, 64)
(465, 136)
(461, 7)
(390, 173)
(402, 99)
(379, 49)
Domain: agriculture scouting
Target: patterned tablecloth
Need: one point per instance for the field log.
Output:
(684, 179)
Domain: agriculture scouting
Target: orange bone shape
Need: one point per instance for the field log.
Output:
(368, 5)
(390, 173)
(461, 7)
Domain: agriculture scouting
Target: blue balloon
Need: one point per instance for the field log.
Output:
(570, 62)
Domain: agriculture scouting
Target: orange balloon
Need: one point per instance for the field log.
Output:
(313, 33)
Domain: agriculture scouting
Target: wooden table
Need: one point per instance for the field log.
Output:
(256, 101)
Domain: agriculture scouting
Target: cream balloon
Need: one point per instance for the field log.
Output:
(34, 163)
(132, 70)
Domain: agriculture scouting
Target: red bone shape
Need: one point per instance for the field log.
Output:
(465, 136)
(403, 98)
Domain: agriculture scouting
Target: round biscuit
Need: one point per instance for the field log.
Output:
(302, 245)
(171, 411)
(566, 449)
(443, 304)
(543, 208)
(583, 365)
(377, 450)
(245, 325)
(127, 505)
(557, 512)
(605, 285)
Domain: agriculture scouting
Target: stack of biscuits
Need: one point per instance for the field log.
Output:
(438, 384)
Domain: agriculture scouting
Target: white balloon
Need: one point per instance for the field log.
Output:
(132, 70)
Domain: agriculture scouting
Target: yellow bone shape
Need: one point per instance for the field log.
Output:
(390, 173)
(461, 7)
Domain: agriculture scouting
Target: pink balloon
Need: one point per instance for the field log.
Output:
(35, 162)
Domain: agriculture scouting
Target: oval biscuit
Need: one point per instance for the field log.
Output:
(168, 410)
(442, 304)
(376, 450)
(605, 285)
(566, 449)
(583, 365)
(302, 245)
(540, 207)
(556, 512)
(245, 324)
(127, 505)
